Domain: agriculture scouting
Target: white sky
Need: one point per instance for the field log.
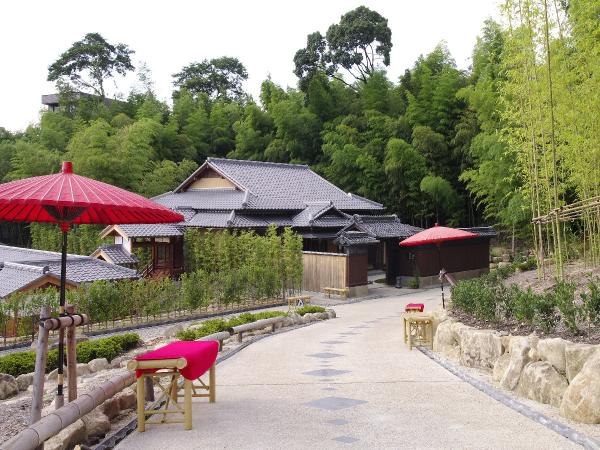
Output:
(263, 34)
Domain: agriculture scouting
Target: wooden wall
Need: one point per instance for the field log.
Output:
(324, 270)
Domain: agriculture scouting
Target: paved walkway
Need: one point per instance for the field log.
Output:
(347, 383)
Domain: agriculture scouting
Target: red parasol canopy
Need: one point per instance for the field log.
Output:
(436, 235)
(67, 198)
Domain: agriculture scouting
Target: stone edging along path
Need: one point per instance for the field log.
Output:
(114, 439)
(521, 408)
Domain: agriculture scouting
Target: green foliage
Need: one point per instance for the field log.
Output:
(83, 239)
(218, 78)
(590, 310)
(309, 309)
(90, 62)
(212, 326)
(564, 299)
(524, 304)
(19, 363)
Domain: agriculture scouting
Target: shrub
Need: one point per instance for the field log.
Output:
(464, 293)
(564, 299)
(268, 314)
(590, 310)
(309, 309)
(524, 303)
(19, 363)
(545, 312)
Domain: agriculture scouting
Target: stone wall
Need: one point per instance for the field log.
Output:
(552, 371)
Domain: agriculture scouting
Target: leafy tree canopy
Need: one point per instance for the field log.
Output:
(218, 78)
(88, 63)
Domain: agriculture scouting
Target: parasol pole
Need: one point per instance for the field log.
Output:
(60, 398)
(441, 278)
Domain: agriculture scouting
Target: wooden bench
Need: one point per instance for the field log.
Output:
(296, 301)
(338, 291)
(187, 360)
(418, 330)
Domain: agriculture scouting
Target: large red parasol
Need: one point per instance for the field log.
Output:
(436, 235)
(65, 198)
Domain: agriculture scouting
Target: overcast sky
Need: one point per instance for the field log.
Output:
(167, 35)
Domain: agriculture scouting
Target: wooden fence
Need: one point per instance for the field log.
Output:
(324, 270)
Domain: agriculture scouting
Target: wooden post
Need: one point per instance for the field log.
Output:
(149, 388)
(187, 387)
(71, 358)
(41, 357)
(141, 416)
(212, 385)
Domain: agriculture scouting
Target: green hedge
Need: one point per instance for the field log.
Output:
(217, 325)
(487, 298)
(19, 363)
(309, 309)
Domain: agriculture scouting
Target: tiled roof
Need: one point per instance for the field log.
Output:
(384, 226)
(205, 199)
(14, 276)
(354, 238)
(482, 231)
(271, 186)
(116, 253)
(151, 230)
(22, 266)
(321, 214)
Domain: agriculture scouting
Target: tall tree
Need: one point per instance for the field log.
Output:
(358, 43)
(90, 62)
(220, 78)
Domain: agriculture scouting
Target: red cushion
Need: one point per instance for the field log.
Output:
(419, 306)
(200, 356)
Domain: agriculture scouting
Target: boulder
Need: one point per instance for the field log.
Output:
(506, 257)
(331, 313)
(68, 438)
(519, 356)
(127, 399)
(8, 386)
(503, 264)
(575, 357)
(98, 364)
(173, 330)
(444, 341)
(287, 322)
(500, 367)
(96, 423)
(82, 369)
(457, 329)
(116, 362)
(553, 351)
(296, 318)
(540, 381)
(581, 401)
(322, 316)
(24, 381)
(480, 348)
(110, 408)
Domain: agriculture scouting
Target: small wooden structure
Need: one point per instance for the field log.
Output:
(341, 292)
(296, 301)
(418, 330)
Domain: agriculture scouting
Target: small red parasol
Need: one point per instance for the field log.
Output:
(436, 235)
(65, 198)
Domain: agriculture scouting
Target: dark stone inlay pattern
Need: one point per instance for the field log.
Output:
(338, 422)
(333, 342)
(329, 389)
(325, 355)
(348, 333)
(335, 403)
(346, 439)
(325, 372)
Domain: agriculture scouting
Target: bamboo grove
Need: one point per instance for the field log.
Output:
(551, 110)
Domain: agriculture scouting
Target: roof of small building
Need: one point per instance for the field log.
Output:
(116, 254)
(354, 238)
(381, 227)
(151, 230)
(23, 266)
(482, 231)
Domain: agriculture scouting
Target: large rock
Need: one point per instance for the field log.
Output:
(444, 340)
(127, 399)
(331, 313)
(296, 318)
(581, 401)
(82, 369)
(287, 322)
(68, 438)
(480, 348)
(519, 356)
(576, 356)
(540, 381)
(322, 316)
(500, 367)
(98, 364)
(553, 351)
(96, 423)
(116, 362)
(173, 330)
(8, 386)
(24, 381)
(110, 408)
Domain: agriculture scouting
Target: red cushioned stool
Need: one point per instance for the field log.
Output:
(189, 360)
(414, 307)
